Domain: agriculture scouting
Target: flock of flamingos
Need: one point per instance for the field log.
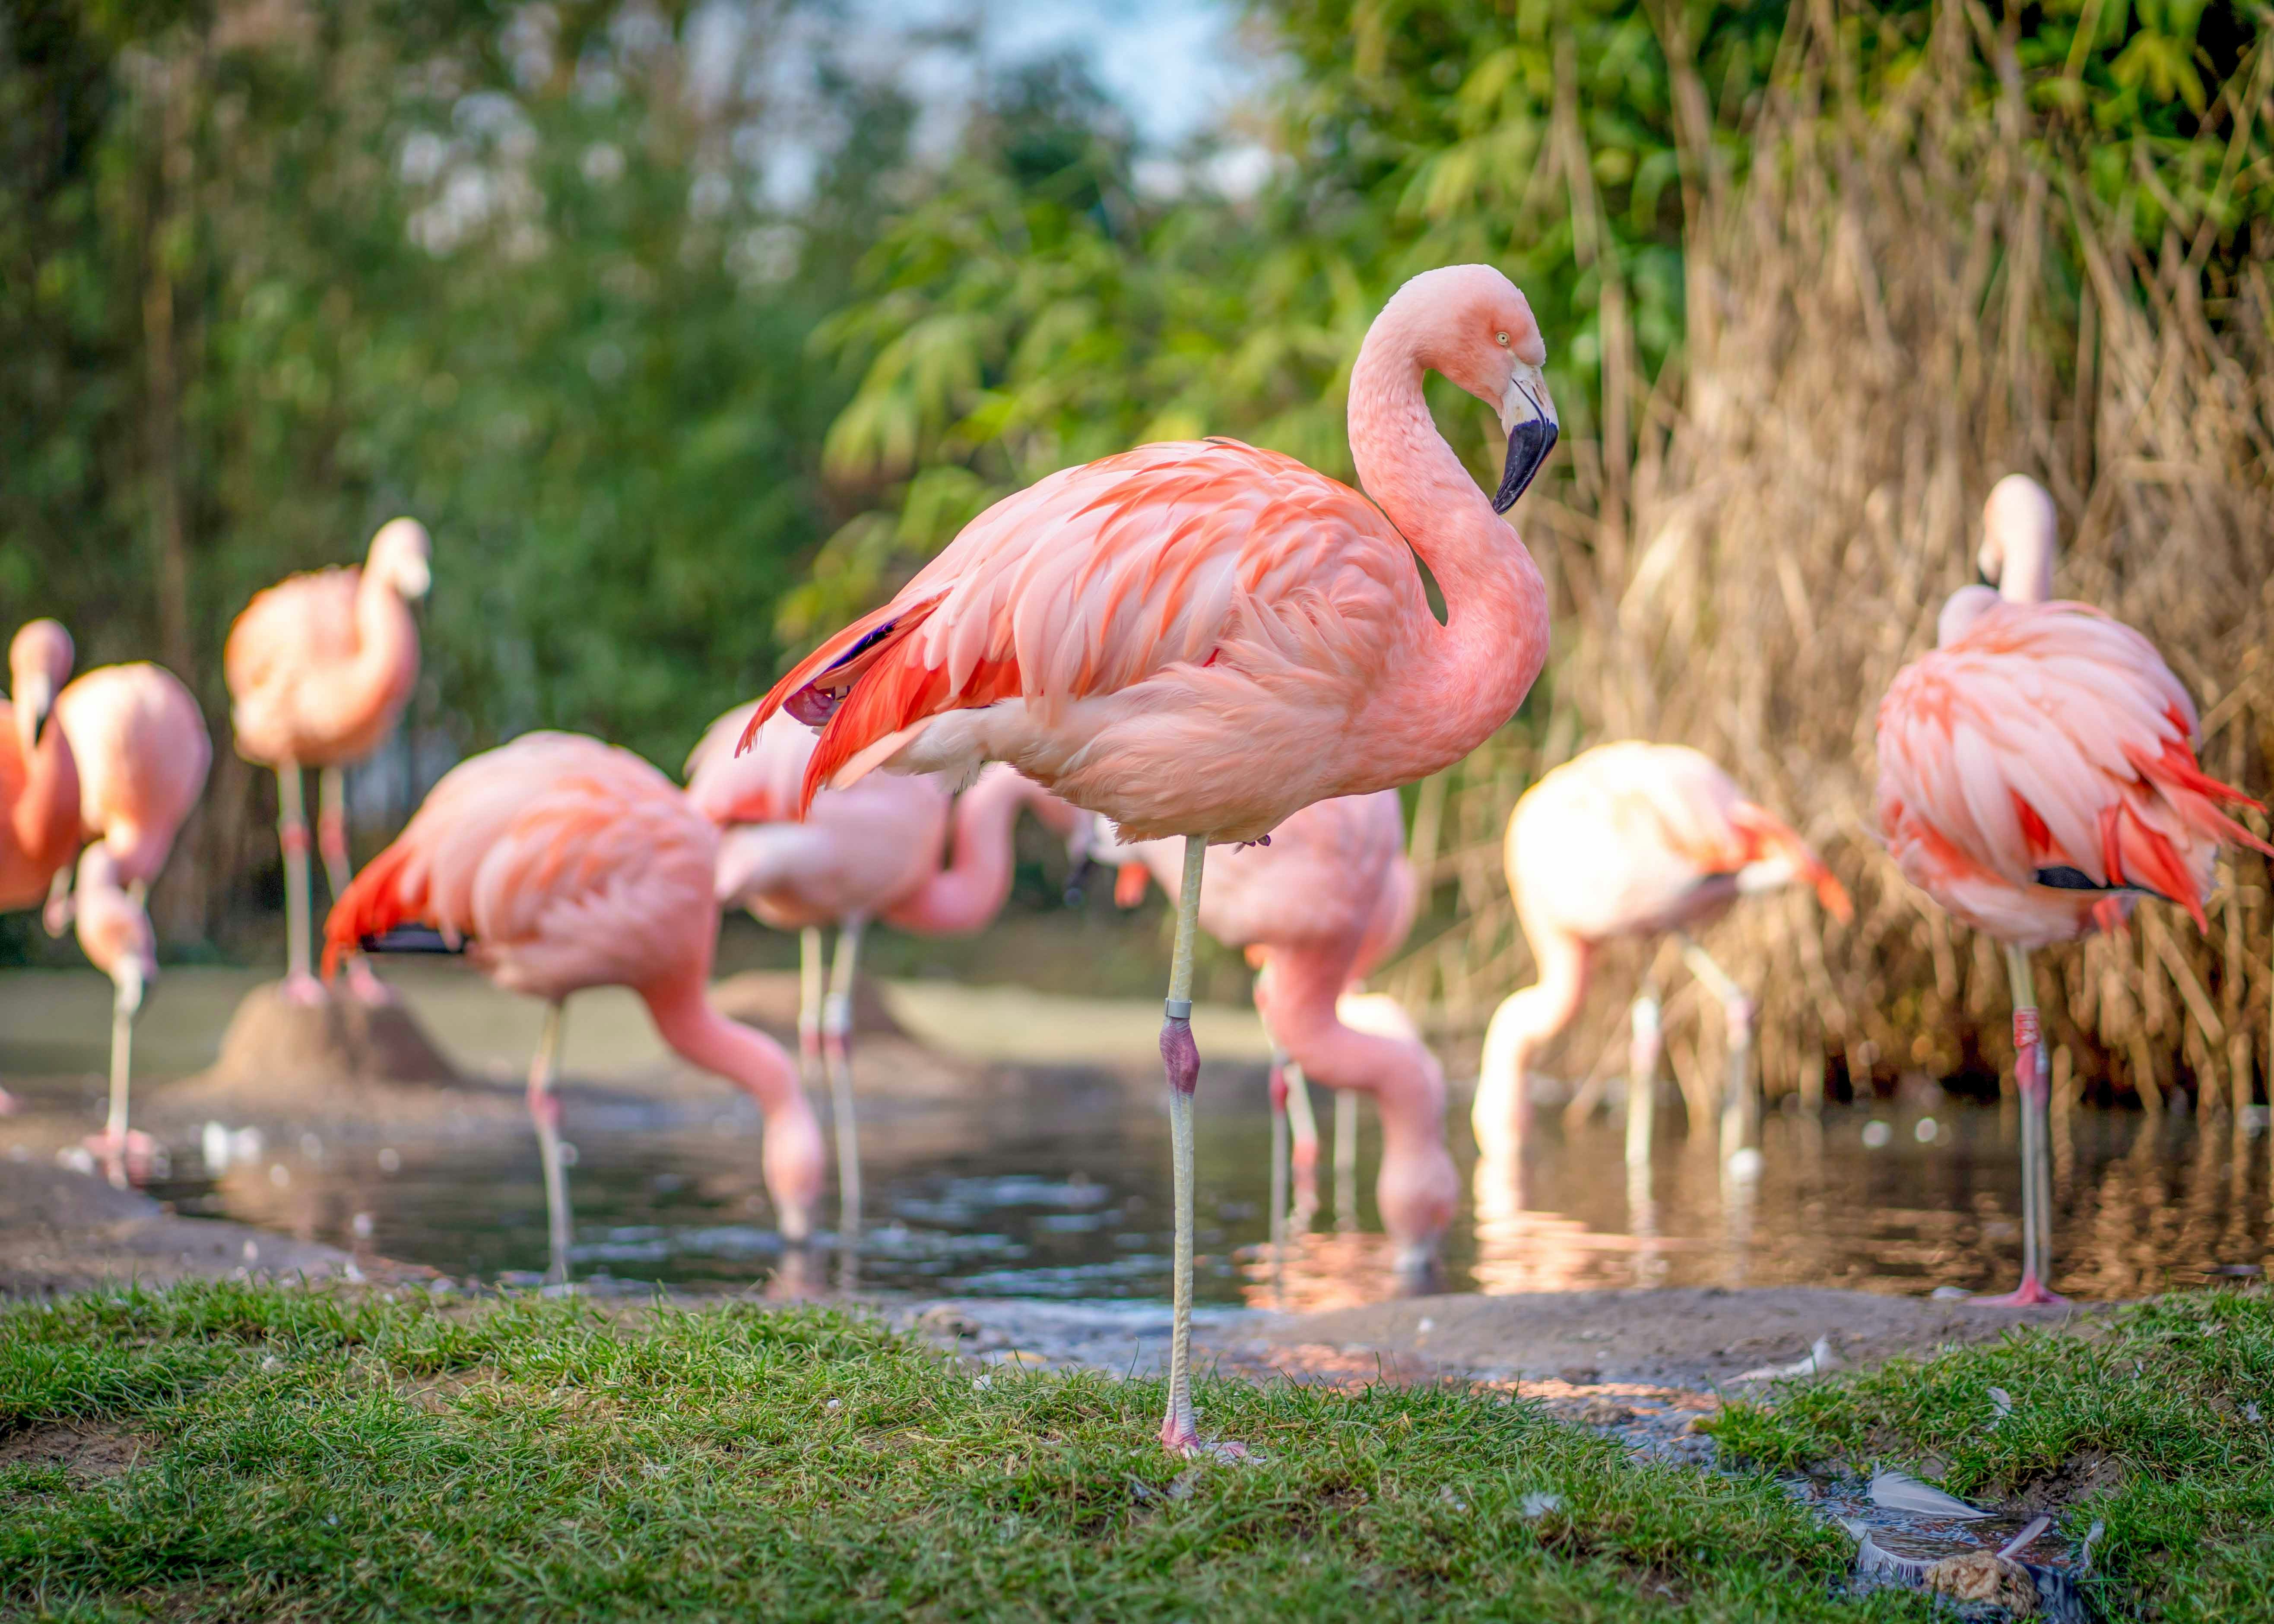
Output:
(1224, 656)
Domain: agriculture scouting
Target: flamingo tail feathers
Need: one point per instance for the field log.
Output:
(376, 900)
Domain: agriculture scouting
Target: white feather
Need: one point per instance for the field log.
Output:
(1895, 1491)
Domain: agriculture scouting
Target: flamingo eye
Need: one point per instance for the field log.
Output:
(1503, 338)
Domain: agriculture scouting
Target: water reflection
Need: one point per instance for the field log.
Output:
(1073, 1203)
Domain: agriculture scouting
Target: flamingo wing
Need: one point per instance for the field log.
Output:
(2049, 749)
(1101, 577)
(565, 862)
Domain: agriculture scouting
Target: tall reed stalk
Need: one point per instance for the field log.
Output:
(1905, 298)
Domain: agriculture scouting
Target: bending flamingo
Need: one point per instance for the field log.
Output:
(319, 667)
(2037, 774)
(1316, 909)
(143, 751)
(39, 776)
(1628, 840)
(561, 863)
(870, 850)
(1202, 638)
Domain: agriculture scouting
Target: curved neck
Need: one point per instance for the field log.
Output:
(967, 894)
(45, 818)
(2026, 576)
(386, 637)
(1470, 673)
(1297, 994)
(700, 1035)
(1530, 1018)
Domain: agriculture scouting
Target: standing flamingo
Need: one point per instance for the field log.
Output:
(1628, 840)
(870, 850)
(562, 863)
(319, 667)
(39, 776)
(2037, 774)
(143, 751)
(1199, 638)
(1321, 905)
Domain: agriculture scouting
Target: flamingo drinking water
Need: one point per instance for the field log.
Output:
(2037, 773)
(1199, 638)
(143, 751)
(561, 863)
(319, 667)
(870, 850)
(1630, 839)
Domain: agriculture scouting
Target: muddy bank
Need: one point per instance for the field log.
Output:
(63, 1231)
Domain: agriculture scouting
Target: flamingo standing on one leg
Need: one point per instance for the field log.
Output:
(2036, 772)
(562, 863)
(1201, 638)
(1628, 839)
(871, 851)
(1317, 908)
(143, 751)
(319, 667)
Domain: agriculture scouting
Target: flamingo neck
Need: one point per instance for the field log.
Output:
(386, 637)
(1297, 994)
(46, 816)
(2027, 575)
(754, 1063)
(1533, 1015)
(970, 890)
(1468, 676)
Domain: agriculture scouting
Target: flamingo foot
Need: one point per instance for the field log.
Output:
(365, 988)
(2031, 1293)
(129, 1160)
(304, 989)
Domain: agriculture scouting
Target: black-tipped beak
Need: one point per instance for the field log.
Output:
(1528, 445)
(411, 939)
(1982, 577)
(42, 714)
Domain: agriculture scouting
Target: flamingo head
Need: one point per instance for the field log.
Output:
(39, 664)
(399, 555)
(1474, 325)
(2021, 532)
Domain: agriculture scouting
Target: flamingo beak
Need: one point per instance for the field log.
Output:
(37, 704)
(1528, 415)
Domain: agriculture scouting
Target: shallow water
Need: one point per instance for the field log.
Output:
(1007, 1199)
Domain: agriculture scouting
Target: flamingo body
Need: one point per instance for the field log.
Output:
(319, 665)
(39, 776)
(1626, 840)
(564, 863)
(143, 753)
(2047, 741)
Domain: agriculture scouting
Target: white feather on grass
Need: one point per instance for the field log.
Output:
(1896, 1491)
(1819, 1359)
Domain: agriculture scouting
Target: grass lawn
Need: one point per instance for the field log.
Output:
(234, 1452)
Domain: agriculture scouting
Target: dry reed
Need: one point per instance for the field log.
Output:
(1904, 300)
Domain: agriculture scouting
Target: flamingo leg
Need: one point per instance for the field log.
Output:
(545, 1110)
(332, 847)
(1741, 1098)
(117, 1146)
(812, 983)
(837, 1051)
(1642, 1080)
(1280, 1151)
(2031, 1083)
(1180, 1058)
(1303, 1130)
(1345, 1160)
(300, 985)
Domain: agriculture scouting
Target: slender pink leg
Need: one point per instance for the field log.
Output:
(544, 1111)
(300, 985)
(2031, 1083)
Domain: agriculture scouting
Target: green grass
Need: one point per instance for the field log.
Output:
(2163, 1425)
(310, 1455)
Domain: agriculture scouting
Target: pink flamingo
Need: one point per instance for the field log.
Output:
(1630, 839)
(2037, 774)
(39, 776)
(1329, 897)
(143, 751)
(870, 850)
(561, 863)
(319, 667)
(1201, 638)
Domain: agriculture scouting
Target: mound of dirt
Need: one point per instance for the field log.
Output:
(281, 1056)
(768, 999)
